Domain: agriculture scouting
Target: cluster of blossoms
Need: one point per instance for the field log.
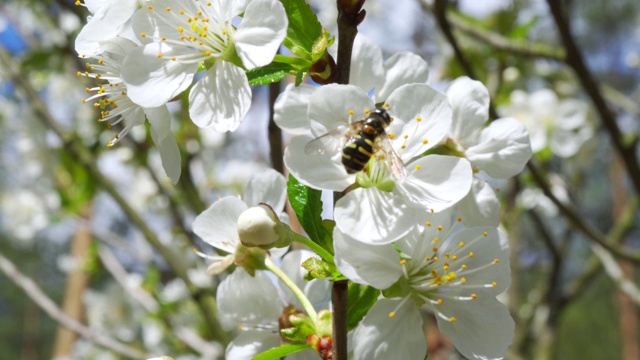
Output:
(172, 41)
(418, 220)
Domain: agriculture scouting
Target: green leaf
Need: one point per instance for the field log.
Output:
(300, 76)
(281, 351)
(361, 299)
(318, 269)
(520, 32)
(304, 27)
(307, 205)
(268, 74)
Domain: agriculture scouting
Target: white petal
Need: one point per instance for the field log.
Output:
(290, 109)
(469, 100)
(217, 225)
(153, 81)
(373, 216)
(436, 182)
(269, 187)
(160, 120)
(251, 343)
(249, 300)
(483, 329)
(317, 290)
(319, 171)
(331, 106)
(503, 149)
(261, 32)
(481, 206)
(402, 68)
(367, 70)
(153, 26)
(108, 20)
(380, 337)
(221, 99)
(420, 113)
(118, 46)
(170, 156)
(375, 265)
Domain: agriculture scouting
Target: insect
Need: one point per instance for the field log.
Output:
(359, 142)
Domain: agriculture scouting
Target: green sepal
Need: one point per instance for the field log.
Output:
(303, 326)
(269, 74)
(317, 269)
(361, 299)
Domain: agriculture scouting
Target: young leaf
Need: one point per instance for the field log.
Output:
(307, 205)
(304, 27)
(268, 74)
(361, 299)
(281, 351)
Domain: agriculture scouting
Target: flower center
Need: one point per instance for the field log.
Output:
(376, 174)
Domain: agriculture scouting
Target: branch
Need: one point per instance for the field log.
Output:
(614, 271)
(575, 60)
(47, 305)
(577, 220)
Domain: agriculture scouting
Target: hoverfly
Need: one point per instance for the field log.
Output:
(359, 142)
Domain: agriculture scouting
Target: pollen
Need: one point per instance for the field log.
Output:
(159, 56)
(403, 261)
(496, 260)
(435, 249)
(419, 118)
(78, 3)
(180, 29)
(351, 112)
(143, 35)
(439, 301)
(168, 8)
(164, 38)
(406, 137)
(425, 141)
(458, 219)
(417, 167)
(173, 58)
(439, 227)
(494, 284)
(470, 253)
(445, 267)
(403, 146)
(474, 296)
(454, 257)
(463, 280)
(461, 244)
(463, 267)
(428, 224)
(392, 314)
(484, 234)
(386, 104)
(435, 240)
(392, 136)
(149, 7)
(453, 319)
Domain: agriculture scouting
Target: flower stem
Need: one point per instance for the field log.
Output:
(271, 266)
(314, 247)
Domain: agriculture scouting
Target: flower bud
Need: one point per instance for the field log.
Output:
(260, 227)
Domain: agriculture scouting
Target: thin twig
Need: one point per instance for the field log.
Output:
(47, 305)
(575, 60)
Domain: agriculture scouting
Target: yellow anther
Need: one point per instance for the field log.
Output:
(458, 219)
(173, 58)
(484, 234)
(461, 244)
(403, 146)
(149, 7)
(403, 261)
(445, 267)
(207, 53)
(474, 296)
(470, 253)
(159, 56)
(143, 35)
(464, 267)
(164, 38)
(181, 12)
(392, 136)
(439, 301)
(406, 136)
(435, 240)
(392, 314)
(428, 224)
(454, 257)
(180, 29)
(168, 8)
(419, 118)
(84, 101)
(463, 280)
(78, 3)
(417, 166)
(435, 258)
(425, 141)
(453, 319)
(434, 249)
(496, 260)
(493, 284)
(386, 104)
(446, 256)
(439, 227)
(79, 73)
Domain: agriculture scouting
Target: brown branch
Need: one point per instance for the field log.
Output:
(47, 305)
(575, 60)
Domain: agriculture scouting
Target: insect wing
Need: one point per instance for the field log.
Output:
(393, 160)
(333, 141)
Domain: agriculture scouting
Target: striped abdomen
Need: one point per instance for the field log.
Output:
(357, 152)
